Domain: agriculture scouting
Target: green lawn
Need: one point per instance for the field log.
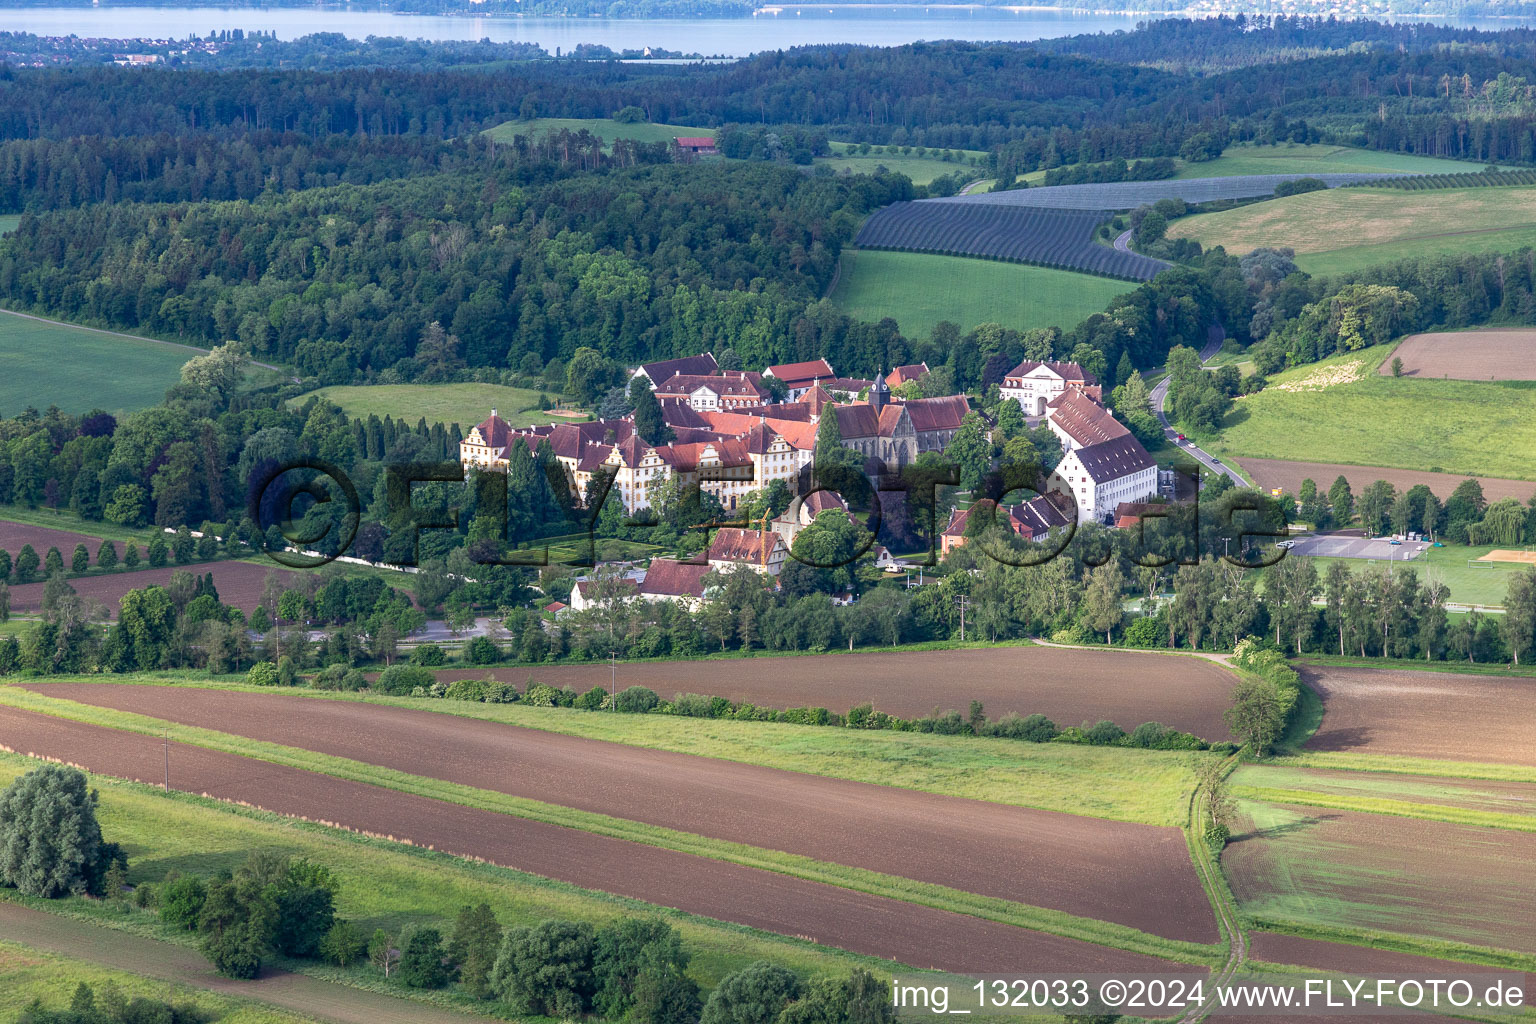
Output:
(1483, 428)
(1291, 158)
(604, 128)
(388, 885)
(78, 369)
(1480, 586)
(918, 290)
(1347, 229)
(921, 169)
(464, 404)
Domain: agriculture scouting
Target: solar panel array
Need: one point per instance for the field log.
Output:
(1055, 226)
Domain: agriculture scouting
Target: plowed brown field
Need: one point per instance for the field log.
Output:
(239, 584)
(14, 535)
(1500, 354)
(1425, 714)
(1137, 875)
(907, 933)
(1289, 475)
(1380, 873)
(1068, 686)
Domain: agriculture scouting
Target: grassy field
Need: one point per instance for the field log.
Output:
(464, 404)
(1347, 229)
(918, 290)
(1316, 158)
(77, 369)
(1475, 427)
(604, 128)
(1432, 798)
(1468, 585)
(64, 519)
(921, 169)
(8, 222)
(28, 974)
(389, 885)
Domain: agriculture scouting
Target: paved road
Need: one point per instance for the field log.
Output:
(1123, 241)
(153, 958)
(1160, 397)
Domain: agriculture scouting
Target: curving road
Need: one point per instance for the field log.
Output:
(1159, 399)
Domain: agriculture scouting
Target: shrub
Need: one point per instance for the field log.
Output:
(546, 969)
(806, 716)
(482, 650)
(421, 960)
(541, 695)
(263, 673)
(428, 654)
(355, 679)
(1103, 733)
(1033, 729)
(329, 678)
(637, 700)
(50, 841)
(287, 672)
(756, 994)
(181, 901)
(484, 691)
(400, 680)
(693, 705)
(1147, 631)
(593, 700)
(343, 944)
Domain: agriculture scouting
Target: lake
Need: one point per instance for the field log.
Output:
(733, 37)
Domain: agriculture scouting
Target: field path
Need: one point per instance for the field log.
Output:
(154, 958)
(133, 337)
(1136, 875)
(907, 933)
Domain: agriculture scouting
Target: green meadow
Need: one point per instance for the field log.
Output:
(1318, 158)
(45, 363)
(918, 290)
(604, 128)
(464, 404)
(921, 169)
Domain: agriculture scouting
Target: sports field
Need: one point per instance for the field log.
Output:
(464, 404)
(1293, 158)
(918, 290)
(1472, 580)
(1339, 230)
(921, 169)
(1343, 407)
(45, 363)
(604, 128)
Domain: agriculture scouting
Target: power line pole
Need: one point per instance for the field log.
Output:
(166, 736)
(964, 602)
(613, 682)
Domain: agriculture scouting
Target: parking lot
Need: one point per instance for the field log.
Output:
(1333, 546)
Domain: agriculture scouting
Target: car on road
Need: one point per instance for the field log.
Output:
(1286, 544)
(1394, 542)
(1215, 461)
(1181, 437)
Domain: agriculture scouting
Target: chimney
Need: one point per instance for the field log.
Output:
(493, 412)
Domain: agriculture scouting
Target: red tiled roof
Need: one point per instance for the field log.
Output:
(937, 413)
(703, 363)
(799, 374)
(494, 431)
(556, 606)
(735, 545)
(668, 577)
(1110, 460)
(1067, 371)
(695, 141)
(1084, 420)
(737, 385)
(899, 376)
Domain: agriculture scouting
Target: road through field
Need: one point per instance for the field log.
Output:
(1424, 714)
(1071, 687)
(153, 958)
(1136, 875)
(873, 925)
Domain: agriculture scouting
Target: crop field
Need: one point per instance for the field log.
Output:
(14, 535)
(1274, 948)
(1127, 195)
(1319, 158)
(1436, 715)
(918, 290)
(1342, 405)
(387, 884)
(464, 404)
(921, 169)
(45, 363)
(1069, 687)
(1497, 354)
(1323, 868)
(1342, 230)
(604, 128)
(1511, 803)
(239, 584)
(826, 914)
(1062, 239)
(987, 849)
